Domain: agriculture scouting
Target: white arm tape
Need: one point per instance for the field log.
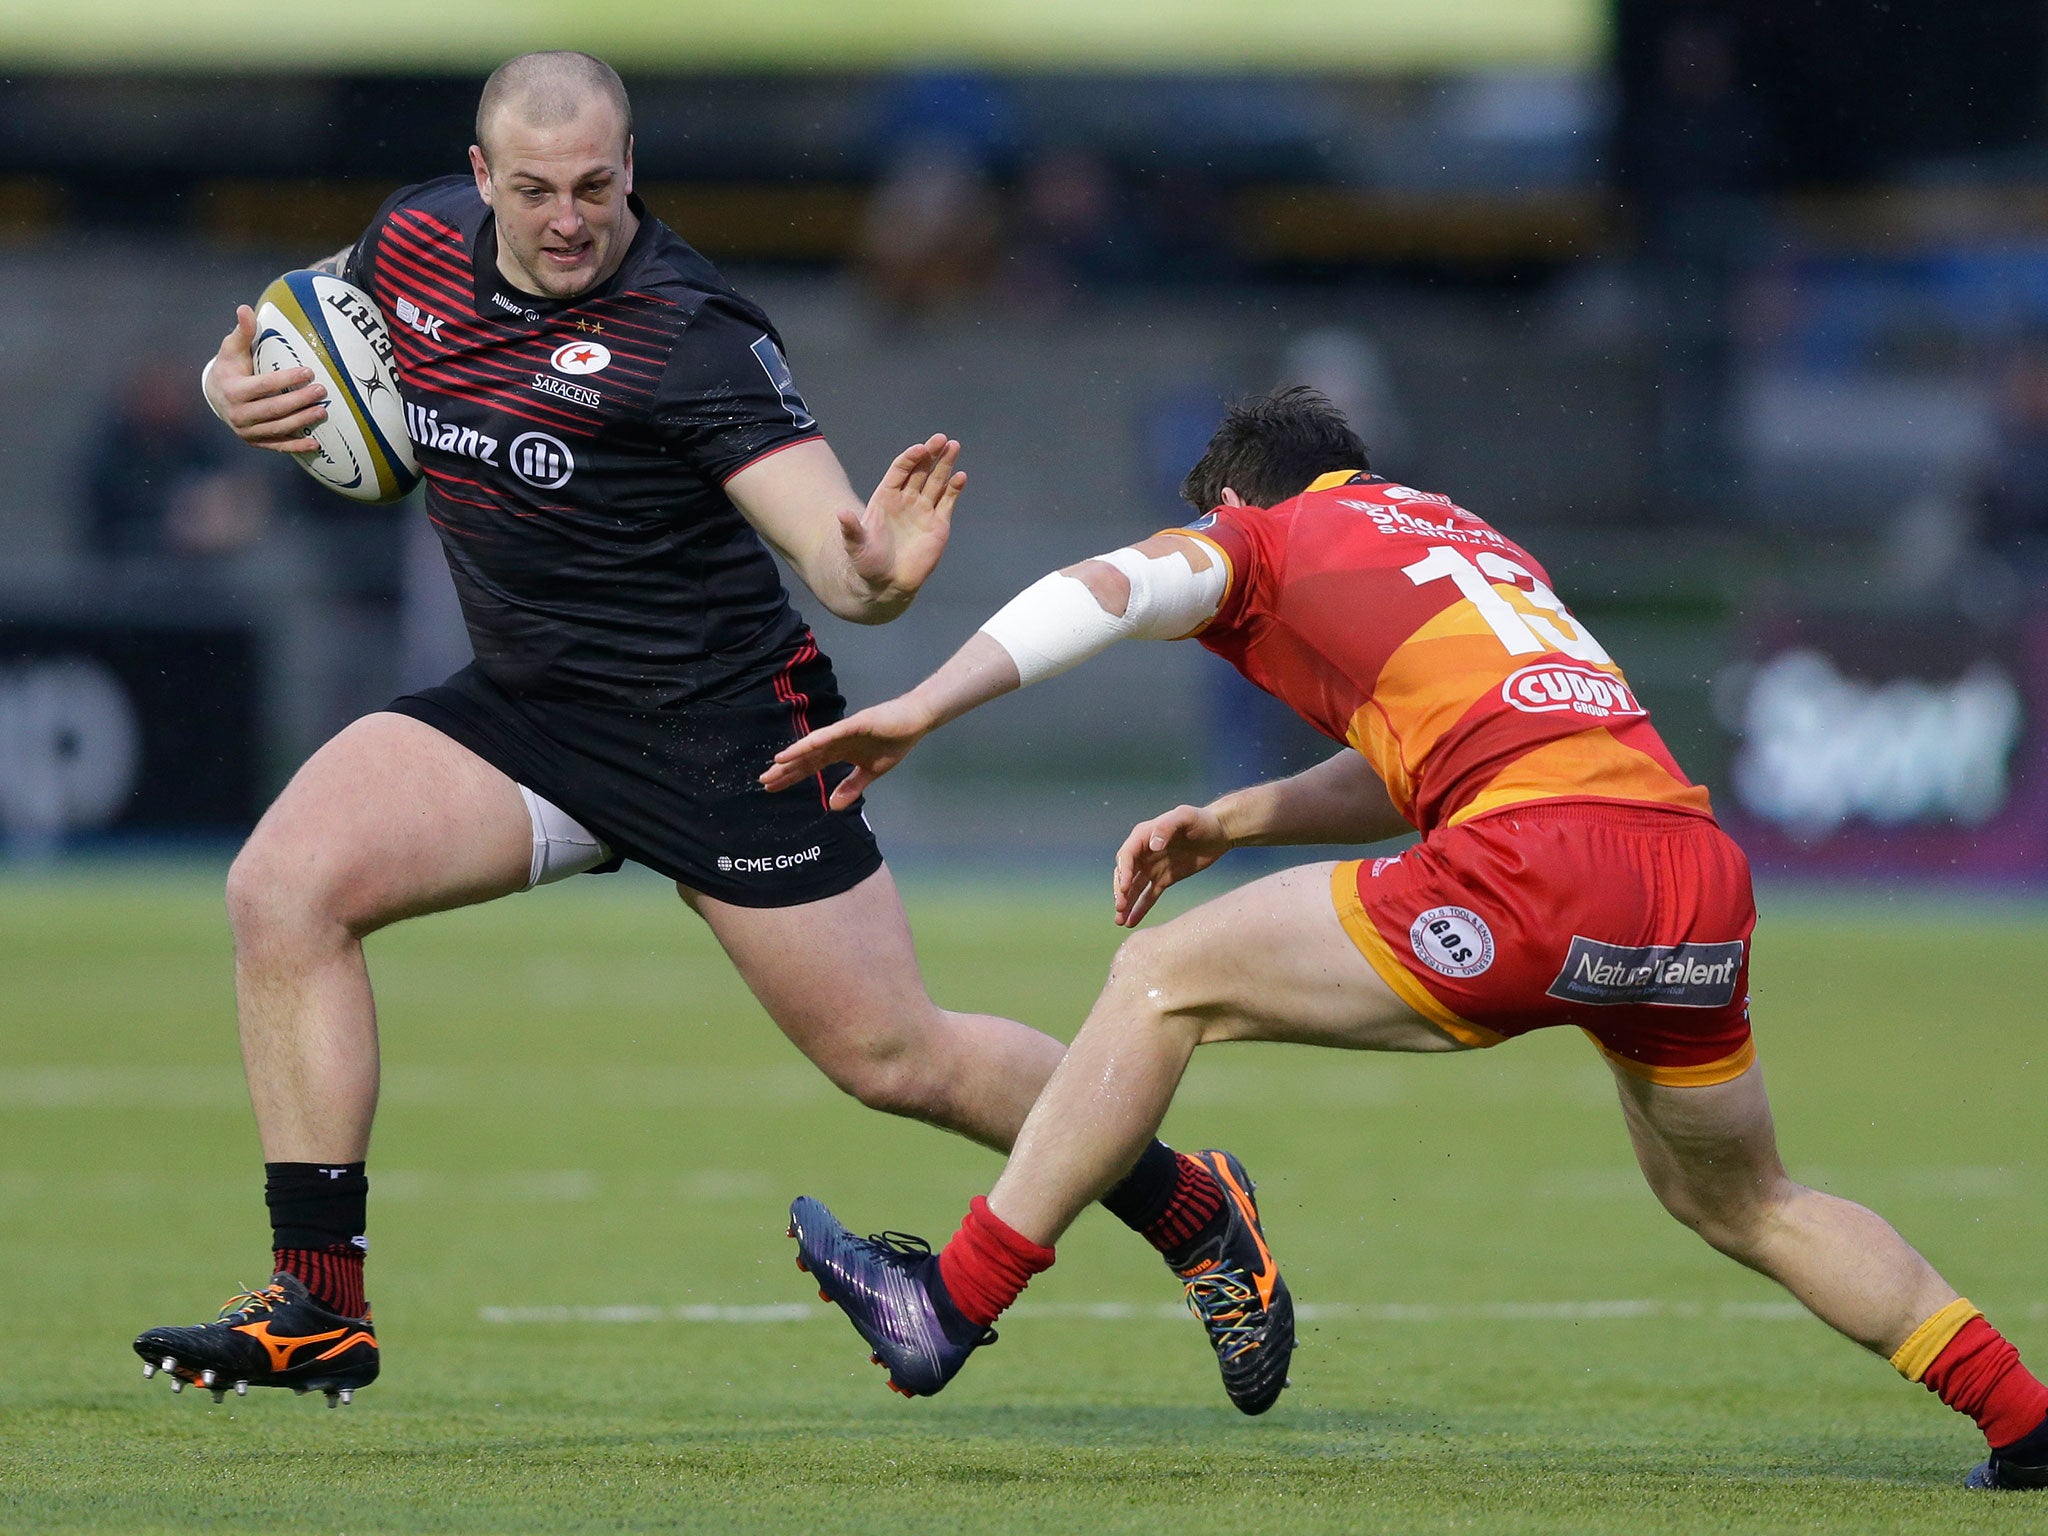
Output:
(1056, 622)
(205, 379)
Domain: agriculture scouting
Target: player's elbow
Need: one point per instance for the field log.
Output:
(873, 611)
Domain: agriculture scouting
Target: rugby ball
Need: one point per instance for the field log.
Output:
(312, 320)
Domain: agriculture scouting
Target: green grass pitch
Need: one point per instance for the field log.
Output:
(590, 1135)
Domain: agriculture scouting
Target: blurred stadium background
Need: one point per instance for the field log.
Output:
(1737, 314)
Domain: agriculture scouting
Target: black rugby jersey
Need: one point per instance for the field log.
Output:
(575, 451)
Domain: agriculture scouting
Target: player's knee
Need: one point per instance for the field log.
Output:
(278, 897)
(889, 1071)
(1155, 977)
(1732, 1216)
(899, 1083)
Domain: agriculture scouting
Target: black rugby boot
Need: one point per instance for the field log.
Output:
(276, 1337)
(2023, 1464)
(889, 1288)
(1234, 1287)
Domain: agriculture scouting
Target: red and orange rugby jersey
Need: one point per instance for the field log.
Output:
(1396, 621)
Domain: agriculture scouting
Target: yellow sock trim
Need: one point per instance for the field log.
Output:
(1931, 1338)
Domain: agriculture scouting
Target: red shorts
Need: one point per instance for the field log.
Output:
(1632, 922)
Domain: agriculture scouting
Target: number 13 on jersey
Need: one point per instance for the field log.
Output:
(1528, 618)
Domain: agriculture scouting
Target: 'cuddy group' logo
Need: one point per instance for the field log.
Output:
(1552, 686)
(1452, 941)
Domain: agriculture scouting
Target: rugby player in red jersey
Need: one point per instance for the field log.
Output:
(1568, 873)
(611, 441)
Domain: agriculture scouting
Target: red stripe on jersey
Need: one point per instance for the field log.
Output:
(613, 312)
(449, 474)
(646, 358)
(440, 292)
(815, 437)
(494, 395)
(448, 293)
(629, 372)
(507, 364)
(799, 702)
(507, 384)
(491, 490)
(442, 252)
(421, 216)
(435, 477)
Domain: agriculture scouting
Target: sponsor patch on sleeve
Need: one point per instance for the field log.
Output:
(1667, 975)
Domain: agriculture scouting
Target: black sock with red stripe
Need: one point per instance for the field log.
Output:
(1168, 1198)
(333, 1276)
(317, 1215)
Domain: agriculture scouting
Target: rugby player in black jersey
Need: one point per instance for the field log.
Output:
(611, 441)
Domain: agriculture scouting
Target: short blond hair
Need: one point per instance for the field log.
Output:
(550, 88)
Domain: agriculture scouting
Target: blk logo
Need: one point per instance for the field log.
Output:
(542, 461)
(412, 315)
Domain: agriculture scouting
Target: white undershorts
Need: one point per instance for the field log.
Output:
(562, 845)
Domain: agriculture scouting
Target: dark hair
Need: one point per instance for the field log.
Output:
(1271, 447)
(551, 88)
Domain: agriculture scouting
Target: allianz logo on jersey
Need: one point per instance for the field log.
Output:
(514, 309)
(539, 458)
(1551, 687)
(412, 315)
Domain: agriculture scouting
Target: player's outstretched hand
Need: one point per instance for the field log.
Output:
(894, 542)
(874, 741)
(267, 410)
(1158, 853)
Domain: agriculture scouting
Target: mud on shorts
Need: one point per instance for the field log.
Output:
(1631, 922)
(678, 790)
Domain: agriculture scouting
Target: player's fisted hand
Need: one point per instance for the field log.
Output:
(266, 410)
(1161, 852)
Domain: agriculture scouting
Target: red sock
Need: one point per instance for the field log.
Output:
(333, 1275)
(1980, 1374)
(1194, 1203)
(988, 1263)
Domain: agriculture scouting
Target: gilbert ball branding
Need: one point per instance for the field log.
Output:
(310, 320)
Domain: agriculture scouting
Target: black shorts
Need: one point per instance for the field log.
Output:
(678, 789)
